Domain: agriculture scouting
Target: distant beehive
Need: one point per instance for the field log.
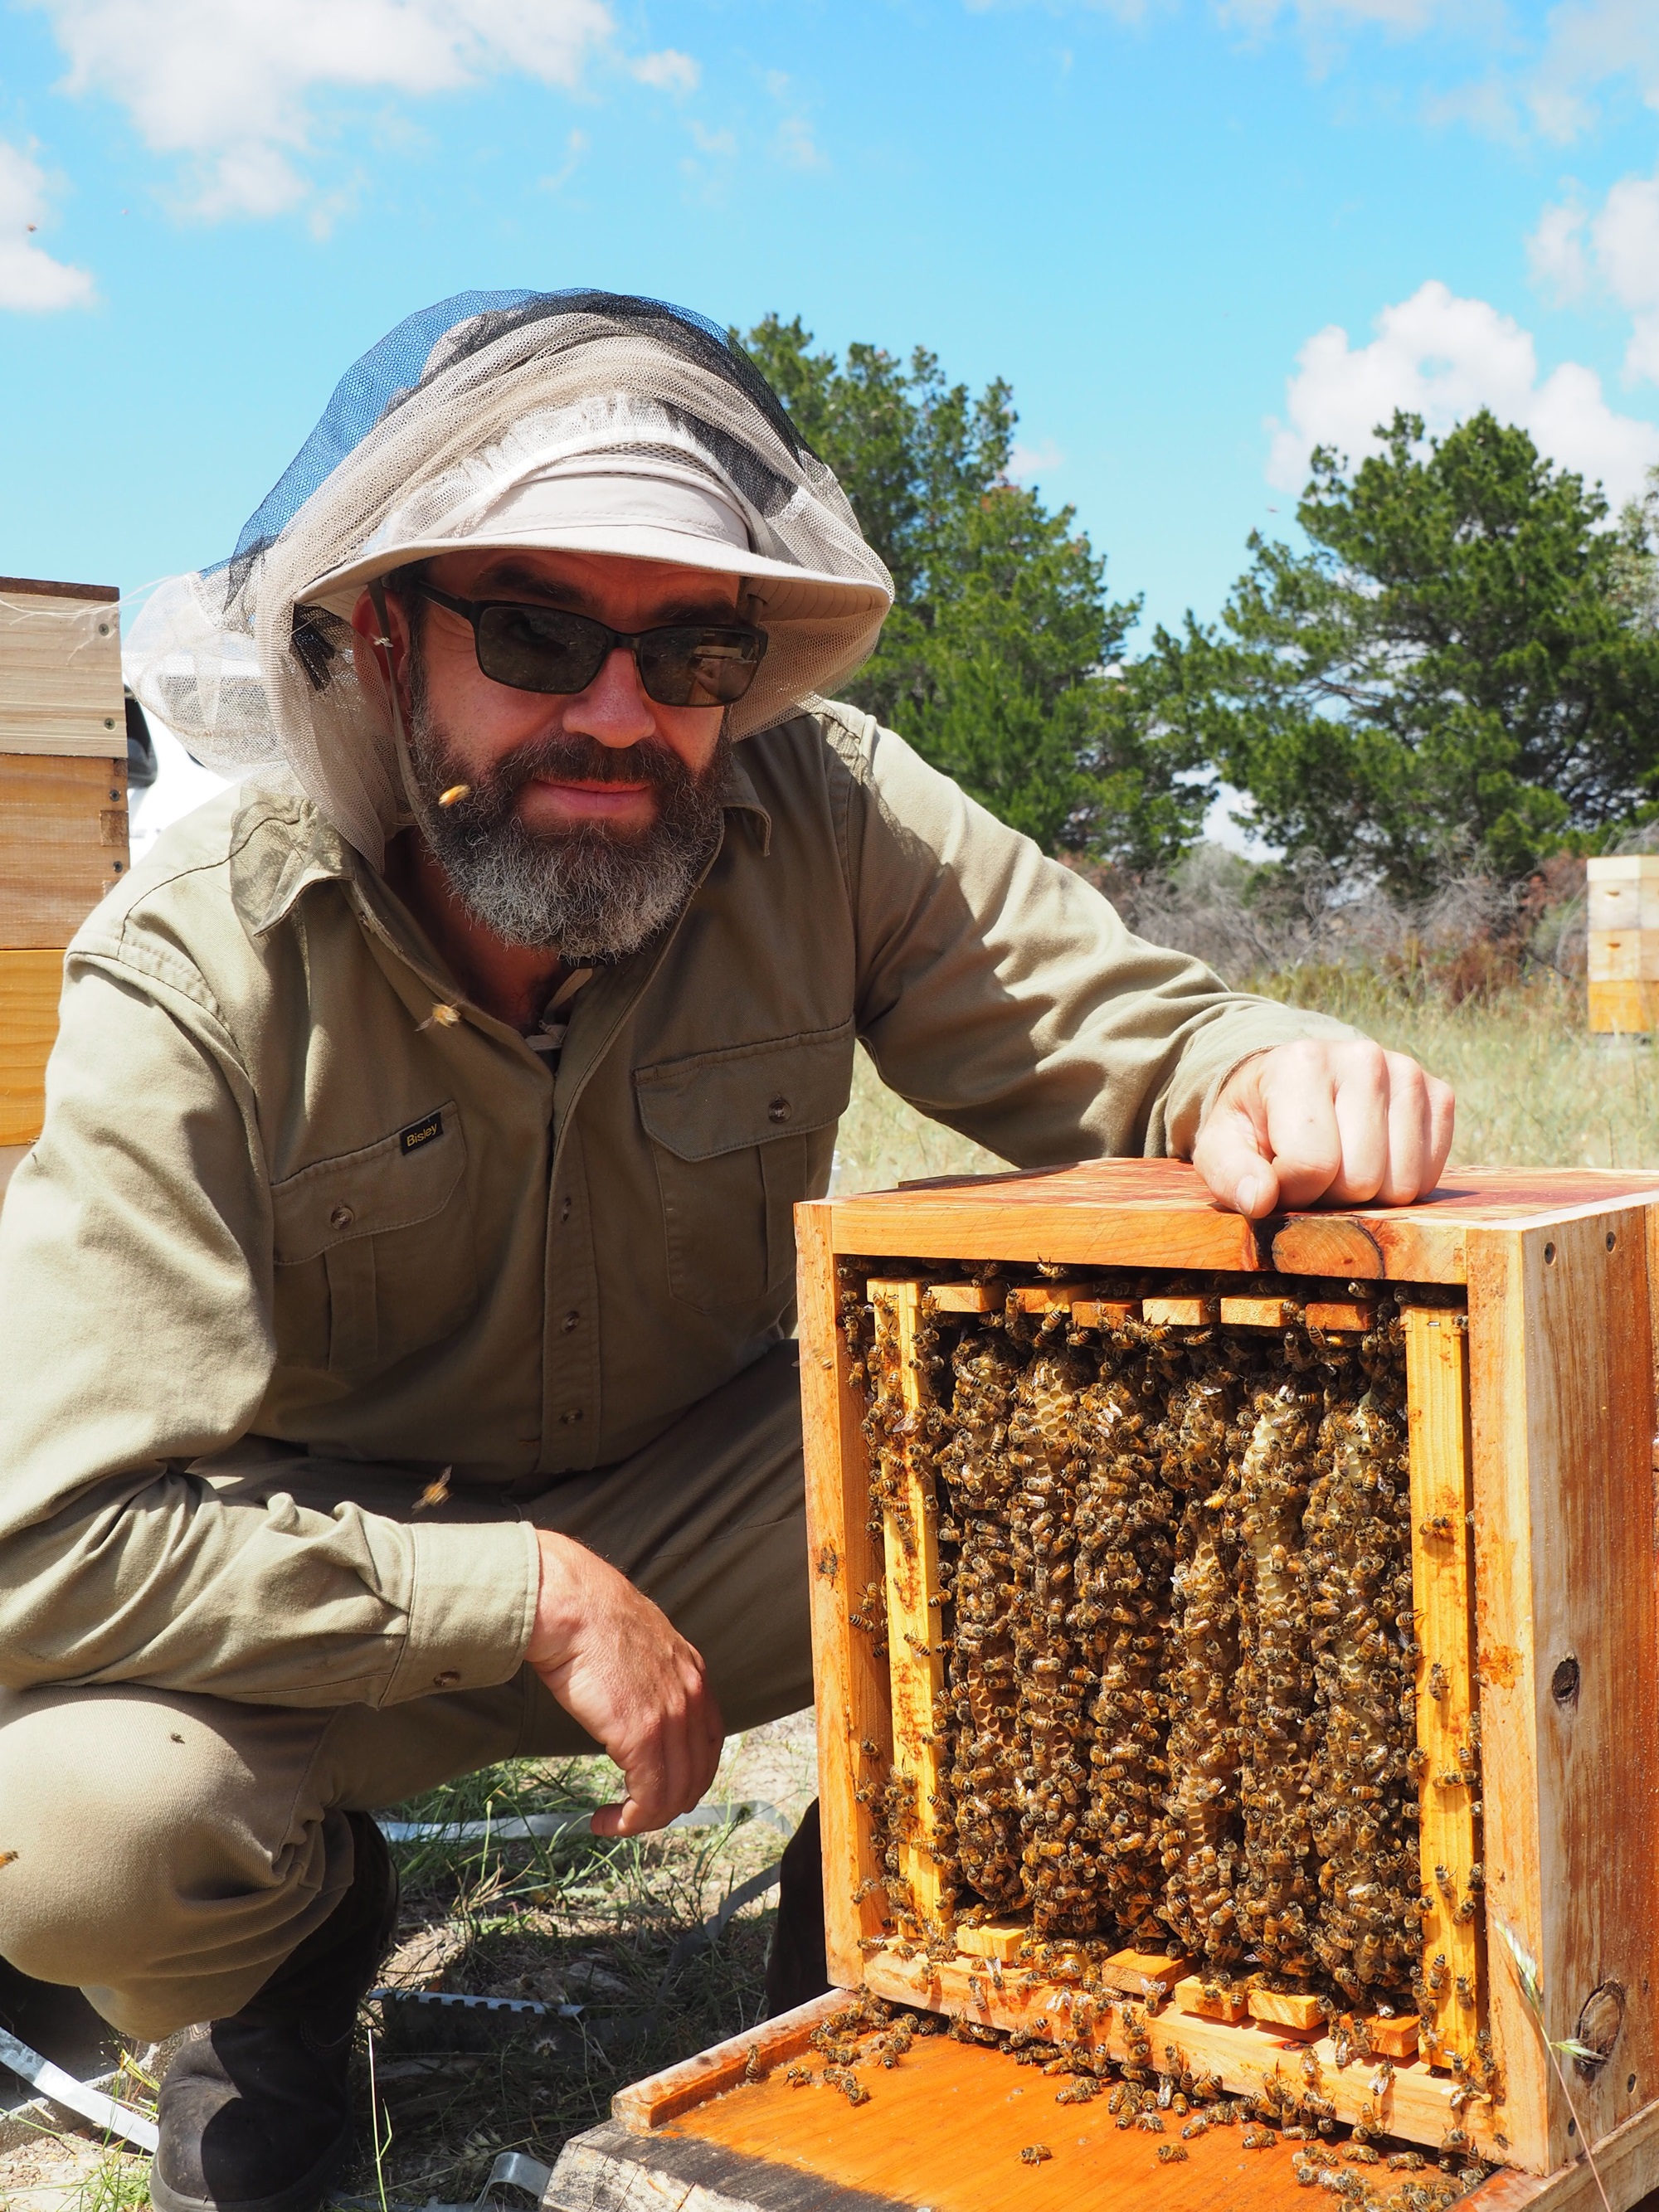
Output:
(63, 811)
(1231, 1635)
(1624, 944)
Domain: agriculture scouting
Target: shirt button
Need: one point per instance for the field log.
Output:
(780, 1110)
(448, 1679)
(575, 1414)
(570, 1319)
(341, 1218)
(564, 1210)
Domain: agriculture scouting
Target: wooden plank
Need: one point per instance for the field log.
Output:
(851, 1680)
(966, 1298)
(30, 986)
(1395, 2037)
(1283, 2008)
(993, 1939)
(1144, 1974)
(1104, 1313)
(1179, 1312)
(1206, 2001)
(60, 675)
(663, 2097)
(1622, 956)
(1622, 892)
(945, 2130)
(1256, 1313)
(1626, 2169)
(1416, 2104)
(1443, 1599)
(1561, 1387)
(914, 1596)
(1626, 1009)
(1340, 1313)
(63, 845)
(1044, 1297)
(1156, 1214)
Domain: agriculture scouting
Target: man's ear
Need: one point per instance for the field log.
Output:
(388, 641)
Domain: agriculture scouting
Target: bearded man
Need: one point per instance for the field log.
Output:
(397, 1307)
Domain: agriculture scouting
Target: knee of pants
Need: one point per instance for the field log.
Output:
(134, 1825)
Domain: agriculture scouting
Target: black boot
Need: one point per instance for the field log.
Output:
(256, 2110)
(796, 1967)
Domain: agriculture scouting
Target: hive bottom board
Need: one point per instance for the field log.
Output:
(944, 2131)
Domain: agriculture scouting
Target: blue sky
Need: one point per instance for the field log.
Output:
(1195, 236)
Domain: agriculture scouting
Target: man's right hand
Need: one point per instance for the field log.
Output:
(617, 1663)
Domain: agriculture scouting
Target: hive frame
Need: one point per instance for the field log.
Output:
(1551, 1432)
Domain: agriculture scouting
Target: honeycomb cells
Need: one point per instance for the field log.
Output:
(1179, 1704)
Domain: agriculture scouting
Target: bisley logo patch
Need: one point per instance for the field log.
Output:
(422, 1132)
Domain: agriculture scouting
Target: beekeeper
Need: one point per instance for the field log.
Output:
(395, 1313)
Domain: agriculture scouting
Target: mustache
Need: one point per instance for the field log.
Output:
(575, 759)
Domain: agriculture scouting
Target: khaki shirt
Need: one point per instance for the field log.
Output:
(276, 1206)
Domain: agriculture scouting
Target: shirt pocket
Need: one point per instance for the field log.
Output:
(739, 1136)
(374, 1251)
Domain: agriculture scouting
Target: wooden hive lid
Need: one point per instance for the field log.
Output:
(1156, 1214)
(60, 670)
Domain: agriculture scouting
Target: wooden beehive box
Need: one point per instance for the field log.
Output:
(1528, 1333)
(63, 811)
(1622, 950)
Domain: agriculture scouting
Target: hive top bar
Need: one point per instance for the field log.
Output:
(1156, 1214)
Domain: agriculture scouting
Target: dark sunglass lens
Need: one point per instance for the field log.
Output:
(699, 668)
(539, 648)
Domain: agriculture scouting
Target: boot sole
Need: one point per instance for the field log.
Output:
(305, 2195)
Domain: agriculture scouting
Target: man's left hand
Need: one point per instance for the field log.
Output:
(1346, 1123)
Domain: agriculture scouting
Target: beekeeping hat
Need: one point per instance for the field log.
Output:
(584, 421)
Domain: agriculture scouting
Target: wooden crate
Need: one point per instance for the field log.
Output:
(1622, 950)
(1530, 1375)
(63, 811)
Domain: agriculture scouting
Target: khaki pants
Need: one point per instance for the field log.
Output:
(172, 1849)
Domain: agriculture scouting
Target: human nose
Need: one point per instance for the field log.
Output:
(614, 709)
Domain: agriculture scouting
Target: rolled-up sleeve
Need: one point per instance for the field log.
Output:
(1001, 995)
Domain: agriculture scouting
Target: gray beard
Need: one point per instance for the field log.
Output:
(591, 894)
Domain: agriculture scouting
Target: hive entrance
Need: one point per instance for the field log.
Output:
(1177, 1611)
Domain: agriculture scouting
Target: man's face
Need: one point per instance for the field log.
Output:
(487, 722)
(587, 816)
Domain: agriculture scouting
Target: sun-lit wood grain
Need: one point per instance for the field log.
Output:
(63, 845)
(1156, 1214)
(30, 983)
(1561, 1388)
(915, 1598)
(851, 1696)
(1443, 1598)
(60, 672)
(945, 2127)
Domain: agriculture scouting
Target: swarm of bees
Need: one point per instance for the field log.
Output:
(1177, 1636)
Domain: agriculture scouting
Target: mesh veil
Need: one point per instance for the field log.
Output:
(261, 686)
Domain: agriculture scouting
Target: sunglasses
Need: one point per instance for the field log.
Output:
(545, 649)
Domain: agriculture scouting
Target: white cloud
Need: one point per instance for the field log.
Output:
(227, 85)
(575, 147)
(1027, 463)
(721, 143)
(1443, 357)
(669, 71)
(1556, 251)
(30, 280)
(1619, 243)
(797, 145)
(1591, 42)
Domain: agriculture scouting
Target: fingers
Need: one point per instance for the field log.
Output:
(1345, 1122)
(1231, 1157)
(669, 1769)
